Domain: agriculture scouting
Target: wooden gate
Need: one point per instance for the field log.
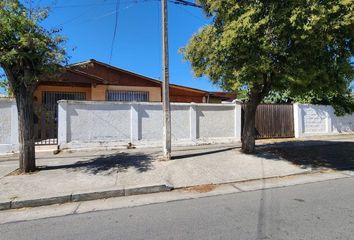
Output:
(273, 121)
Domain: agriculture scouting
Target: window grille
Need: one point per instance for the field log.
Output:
(52, 98)
(127, 96)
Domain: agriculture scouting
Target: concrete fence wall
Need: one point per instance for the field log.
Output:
(311, 120)
(8, 126)
(84, 124)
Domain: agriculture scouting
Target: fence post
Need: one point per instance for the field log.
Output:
(14, 126)
(238, 119)
(329, 128)
(134, 122)
(298, 128)
(193, 121)
(62, 122)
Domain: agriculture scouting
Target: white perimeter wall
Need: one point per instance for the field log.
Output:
(8, 126)
(87, 124)
(310, 120)
(84, 123)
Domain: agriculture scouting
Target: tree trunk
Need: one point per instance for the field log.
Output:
(249, 129)
(24, 101)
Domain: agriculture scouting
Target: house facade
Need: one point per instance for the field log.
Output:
(97, 81)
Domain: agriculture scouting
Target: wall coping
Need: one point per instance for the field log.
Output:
(5, 99)
(77, 102)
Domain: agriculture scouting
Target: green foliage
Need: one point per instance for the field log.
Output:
(4, 84)
(242, 94)
(28, 52)
(297, 47)
(278, 97)
(342, 102)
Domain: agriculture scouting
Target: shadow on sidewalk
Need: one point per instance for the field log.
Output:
(108, 164)
(201, 153)
(317, 154)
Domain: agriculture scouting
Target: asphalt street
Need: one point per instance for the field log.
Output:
(323, 210)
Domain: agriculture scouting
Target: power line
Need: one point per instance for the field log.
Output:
(191, 13)
(115, 30)
(107, 14)
(106, 3)
(116, 12)
(185, 3)
(75, 18)
(99, 4)
(100, 16)
(84, 5)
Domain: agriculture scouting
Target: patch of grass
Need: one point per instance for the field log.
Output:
(200, 188)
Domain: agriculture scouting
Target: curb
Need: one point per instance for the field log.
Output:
(84, 196)
(88, 196)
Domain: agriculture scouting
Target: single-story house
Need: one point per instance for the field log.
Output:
(98, 81)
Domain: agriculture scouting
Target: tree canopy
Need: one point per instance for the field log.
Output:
(27, 46)
(303, 46)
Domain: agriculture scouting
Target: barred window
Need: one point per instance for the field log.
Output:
(51, 98)
(127, 96)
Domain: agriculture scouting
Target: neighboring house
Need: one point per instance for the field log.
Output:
(216, 97)
(97, 81)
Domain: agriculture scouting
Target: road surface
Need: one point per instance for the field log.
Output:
(323, 210)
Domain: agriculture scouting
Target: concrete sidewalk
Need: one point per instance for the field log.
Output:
(86, 176)
(78, 176)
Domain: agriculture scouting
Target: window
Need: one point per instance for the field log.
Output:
(51, 98)
(127, 96)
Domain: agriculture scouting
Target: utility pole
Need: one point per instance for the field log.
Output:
(166, 85)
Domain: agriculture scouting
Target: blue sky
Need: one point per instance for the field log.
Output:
(89, 25)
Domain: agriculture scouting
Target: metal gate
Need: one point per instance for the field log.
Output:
(46, 116)
(273, 121)
(46, 124)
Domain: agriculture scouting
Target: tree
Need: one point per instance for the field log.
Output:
(28, 53)
(302, 46)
